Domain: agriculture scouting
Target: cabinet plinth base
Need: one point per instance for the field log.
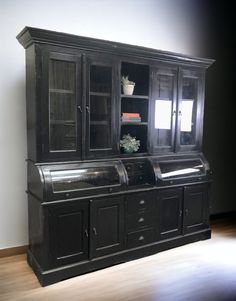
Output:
(47, 277)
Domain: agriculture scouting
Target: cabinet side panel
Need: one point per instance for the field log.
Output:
(36, 230)
(31, 102)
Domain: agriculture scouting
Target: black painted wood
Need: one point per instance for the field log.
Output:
(30, 35)
(81, 222)
(103, 130)
(171, 207)
(69, 233)
(196, 208)
(106, 226)
(54, 275)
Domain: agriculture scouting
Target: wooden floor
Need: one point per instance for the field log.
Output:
(201, 271)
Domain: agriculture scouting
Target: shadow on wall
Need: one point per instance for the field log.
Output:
(218, 118)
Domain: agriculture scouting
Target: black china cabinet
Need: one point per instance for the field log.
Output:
(92, 204)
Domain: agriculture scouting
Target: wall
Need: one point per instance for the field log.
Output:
(163, 24)
(217, 18)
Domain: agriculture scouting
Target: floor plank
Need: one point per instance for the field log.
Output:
(201, 271)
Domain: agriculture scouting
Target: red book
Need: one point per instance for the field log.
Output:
(131, 114)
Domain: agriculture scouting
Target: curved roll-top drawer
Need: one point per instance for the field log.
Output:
(140, 201)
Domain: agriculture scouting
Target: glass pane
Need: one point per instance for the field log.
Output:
(163, 117)
(188, 111)
(62, 75)
(100, 79)
(164, 86)
(181, 168)
(84, 178)
(100, 122)
(100, 109)
(62, 105)
(163, 110)
(100, 137)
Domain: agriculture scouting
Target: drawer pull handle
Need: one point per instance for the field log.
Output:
(94, 231)
(141, 238)
(141, 220)
(142, 202)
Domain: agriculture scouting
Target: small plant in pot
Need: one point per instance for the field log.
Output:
(129, 144)
(128, 85)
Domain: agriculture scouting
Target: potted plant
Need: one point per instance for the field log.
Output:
(129, 144)
(128, 85)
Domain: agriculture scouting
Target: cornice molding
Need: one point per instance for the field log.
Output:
(31, 35)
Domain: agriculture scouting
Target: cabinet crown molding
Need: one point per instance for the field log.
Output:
(31, 35)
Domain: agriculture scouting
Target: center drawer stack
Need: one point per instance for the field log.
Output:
(141, 221)
(139, 172)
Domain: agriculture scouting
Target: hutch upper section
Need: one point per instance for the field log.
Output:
(76, 105)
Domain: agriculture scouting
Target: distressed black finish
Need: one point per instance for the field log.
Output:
(92, 205)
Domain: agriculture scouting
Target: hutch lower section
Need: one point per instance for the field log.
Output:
(72, 237)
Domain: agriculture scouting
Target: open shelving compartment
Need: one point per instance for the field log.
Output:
(135, 107)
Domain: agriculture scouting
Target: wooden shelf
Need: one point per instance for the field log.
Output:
(135, 96)
(134, 123)
(62, 122)
(100, 94)
(100, 122)
(61, 91)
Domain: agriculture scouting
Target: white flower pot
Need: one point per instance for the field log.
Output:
(128, 89)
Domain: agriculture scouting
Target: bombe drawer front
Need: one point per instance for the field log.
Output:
(71, 180)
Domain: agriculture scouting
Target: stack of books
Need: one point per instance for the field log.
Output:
(130, 117)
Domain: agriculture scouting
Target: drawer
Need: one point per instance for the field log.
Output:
(140, 220)
(139, 238)
(138, 179)
(134, 167)
(140, 201)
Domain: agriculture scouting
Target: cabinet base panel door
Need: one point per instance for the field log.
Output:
(47, 277)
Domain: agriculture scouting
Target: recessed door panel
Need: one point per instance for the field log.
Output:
(69, 233)
(170, 212)
(107, 226)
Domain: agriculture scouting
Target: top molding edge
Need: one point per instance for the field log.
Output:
(31, 35)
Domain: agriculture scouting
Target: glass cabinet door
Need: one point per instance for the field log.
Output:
(163, 110)
(63, 134)
(62, 105)
(100, 109)
(189, 110)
